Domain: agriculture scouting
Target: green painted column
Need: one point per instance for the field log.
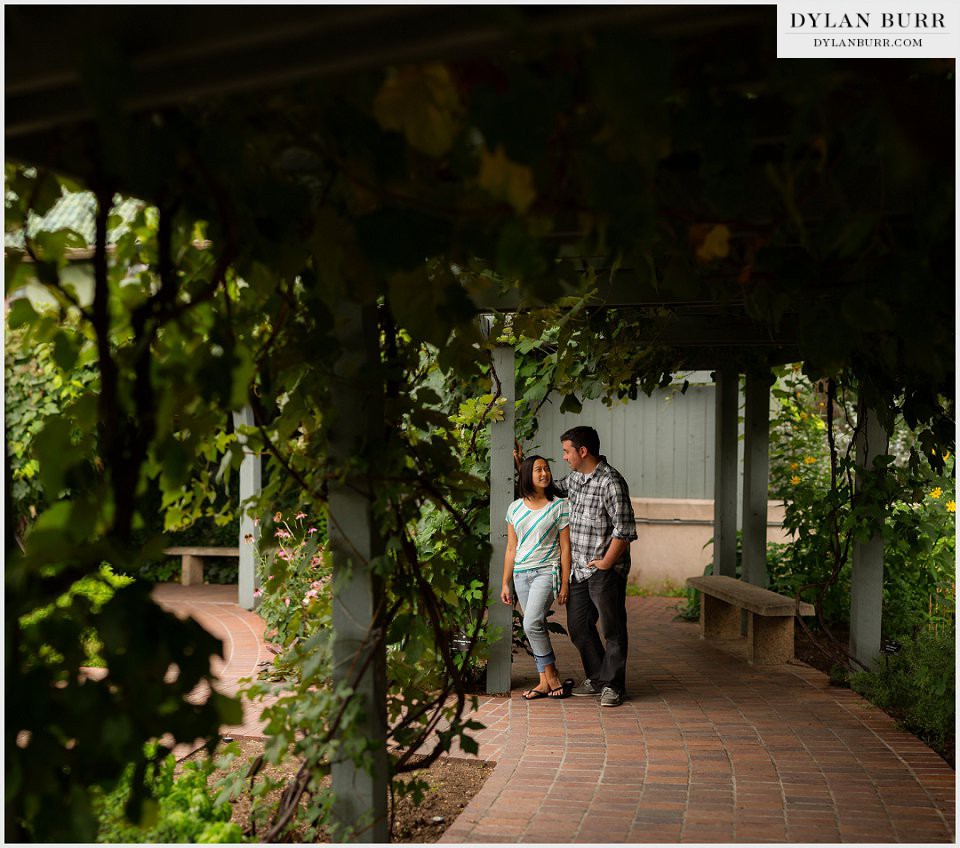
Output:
(499, 615)
(250, 486)
(756, 477)
(725, 473)
(355, 427)
(866, 575)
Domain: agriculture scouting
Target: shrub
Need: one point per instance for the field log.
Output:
(294, 595)
(917, 685)
(183, 808)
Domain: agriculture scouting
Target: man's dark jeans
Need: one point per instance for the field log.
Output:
(601, 597)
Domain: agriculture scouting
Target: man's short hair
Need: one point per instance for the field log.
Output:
(583, 437)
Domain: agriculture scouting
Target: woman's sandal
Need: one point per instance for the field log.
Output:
(534, 694)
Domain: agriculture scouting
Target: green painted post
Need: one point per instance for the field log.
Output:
(725, 474)
(355, 426)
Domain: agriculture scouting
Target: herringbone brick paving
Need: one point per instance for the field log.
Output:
(705, 749)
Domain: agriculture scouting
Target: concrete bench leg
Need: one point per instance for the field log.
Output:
(769, 639)
(718, 619)
(191, 570)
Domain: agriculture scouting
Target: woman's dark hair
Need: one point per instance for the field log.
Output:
(527, 489)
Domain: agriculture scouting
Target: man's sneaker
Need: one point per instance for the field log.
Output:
(586, 688)
(610, 697)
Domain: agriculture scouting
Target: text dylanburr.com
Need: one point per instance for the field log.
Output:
(863, 30)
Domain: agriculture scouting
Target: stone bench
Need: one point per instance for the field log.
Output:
(769, 616)
(191, 562)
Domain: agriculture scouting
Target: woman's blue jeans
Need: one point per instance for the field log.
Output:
(535, 591)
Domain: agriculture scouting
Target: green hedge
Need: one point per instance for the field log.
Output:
(917, 685)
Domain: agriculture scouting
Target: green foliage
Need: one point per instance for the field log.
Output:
(96, 410)
(665, 590)
(97, 590)
(42, 379)
(295, 597)
(182, 808)
(917, 685)
(919, 560)
(904, 498)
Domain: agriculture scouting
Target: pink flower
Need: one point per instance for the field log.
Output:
(286, 602)
(257, 592)
(248, 538)
(283, 554)
(270, 577)
(282, 534)
(315, 561)
(312, 530)
(299, 516)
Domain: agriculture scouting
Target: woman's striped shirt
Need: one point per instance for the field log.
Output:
(538, 532)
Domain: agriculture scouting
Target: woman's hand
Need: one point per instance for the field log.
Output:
(506, 595)
(563, 594)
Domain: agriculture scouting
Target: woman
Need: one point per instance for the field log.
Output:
(538, 560)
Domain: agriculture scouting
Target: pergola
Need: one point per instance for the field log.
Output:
(254, 49)
(703, 338)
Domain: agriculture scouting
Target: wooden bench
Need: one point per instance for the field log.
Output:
(191, 562)
(769, 620)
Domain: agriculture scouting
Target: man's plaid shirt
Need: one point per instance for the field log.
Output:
(600, 511)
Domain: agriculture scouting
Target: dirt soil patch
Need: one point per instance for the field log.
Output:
(453, 782)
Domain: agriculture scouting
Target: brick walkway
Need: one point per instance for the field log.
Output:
(706, 748)
(215, 608)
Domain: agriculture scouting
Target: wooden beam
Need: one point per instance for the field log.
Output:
(199, 52)
(866, 576)
(725, 474)
(499, 615)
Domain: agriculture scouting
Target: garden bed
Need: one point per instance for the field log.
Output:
(453, 782)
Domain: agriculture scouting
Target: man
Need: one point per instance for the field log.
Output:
(602, 525)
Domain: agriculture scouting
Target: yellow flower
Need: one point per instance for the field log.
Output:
(794, 466)
(804, 416)
(794, 480)
(951, 506)
(936, 493)
(809, 460)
